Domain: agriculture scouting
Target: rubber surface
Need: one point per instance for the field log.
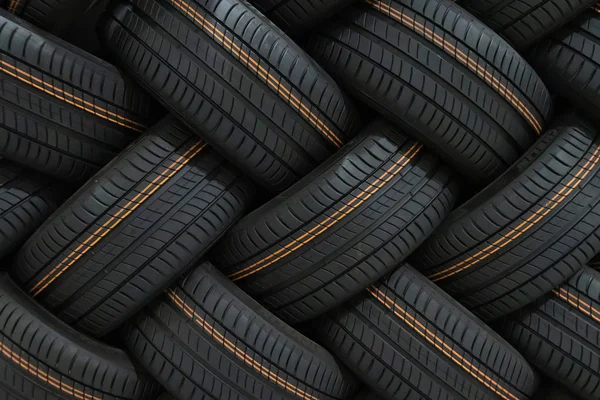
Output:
(41, 358)
(72, 20)
(525, 22)
(408, 340)
(26, 200)
(62, 111)
(132, 230)
(236, 80)
(367, 395)
(208, 339)
(300, 16)
(53, 16)
(550, 390)
(594, 262)
(569, 60)
(560, 334)
(341, 228)
(526, 233)
(443, 76)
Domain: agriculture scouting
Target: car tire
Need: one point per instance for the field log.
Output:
(26, 200)
(236, 80)
(299, 16)
(132, 230)
(559, 334)
(525, 22)
(63, 112)
(441, 75)
(341, 228)
(569, 59)
(408, 340)
(42, 358)
(207, 338)
(527, 232)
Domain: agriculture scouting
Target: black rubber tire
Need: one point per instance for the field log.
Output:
(569, 60)
(455, 98)
(72, 20)
(366, 395)
(208, 339)
(132, 230)
(550, 390)
(300, 16)
(53, 16)
(248, 102)
(44, 359)
(594, 263)
(560, 334)
(408, 340)
(63, 112)
(525, 22)
(26, 200)
(526, 233)
(363, 212)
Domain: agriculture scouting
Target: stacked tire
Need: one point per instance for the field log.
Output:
(559, 333)
(385, 177)
(142, 221)
(198, 57)
(462, 90)
(525, 22)
(526, 233)
(341, 228)
(64, 112)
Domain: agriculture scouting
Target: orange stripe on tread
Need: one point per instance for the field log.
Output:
(576, 302)
(472, 64)
(116, 219)
(12, 7)
(439, 344)
(43, 376)
(239, 353)
(337, 216)
(68, 98)
(524, 226)
(255, 66)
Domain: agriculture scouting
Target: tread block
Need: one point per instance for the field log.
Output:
(525, 22)
(299, 16)
(408, 340)
(527, 232)
(440, 74)
(132, 230)
(236, 80)
(72, 20)
(26, 200)
(560, 334)
(342, 227)
(63, 112)
(569, 59)
(41, 358)
(206, 338)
